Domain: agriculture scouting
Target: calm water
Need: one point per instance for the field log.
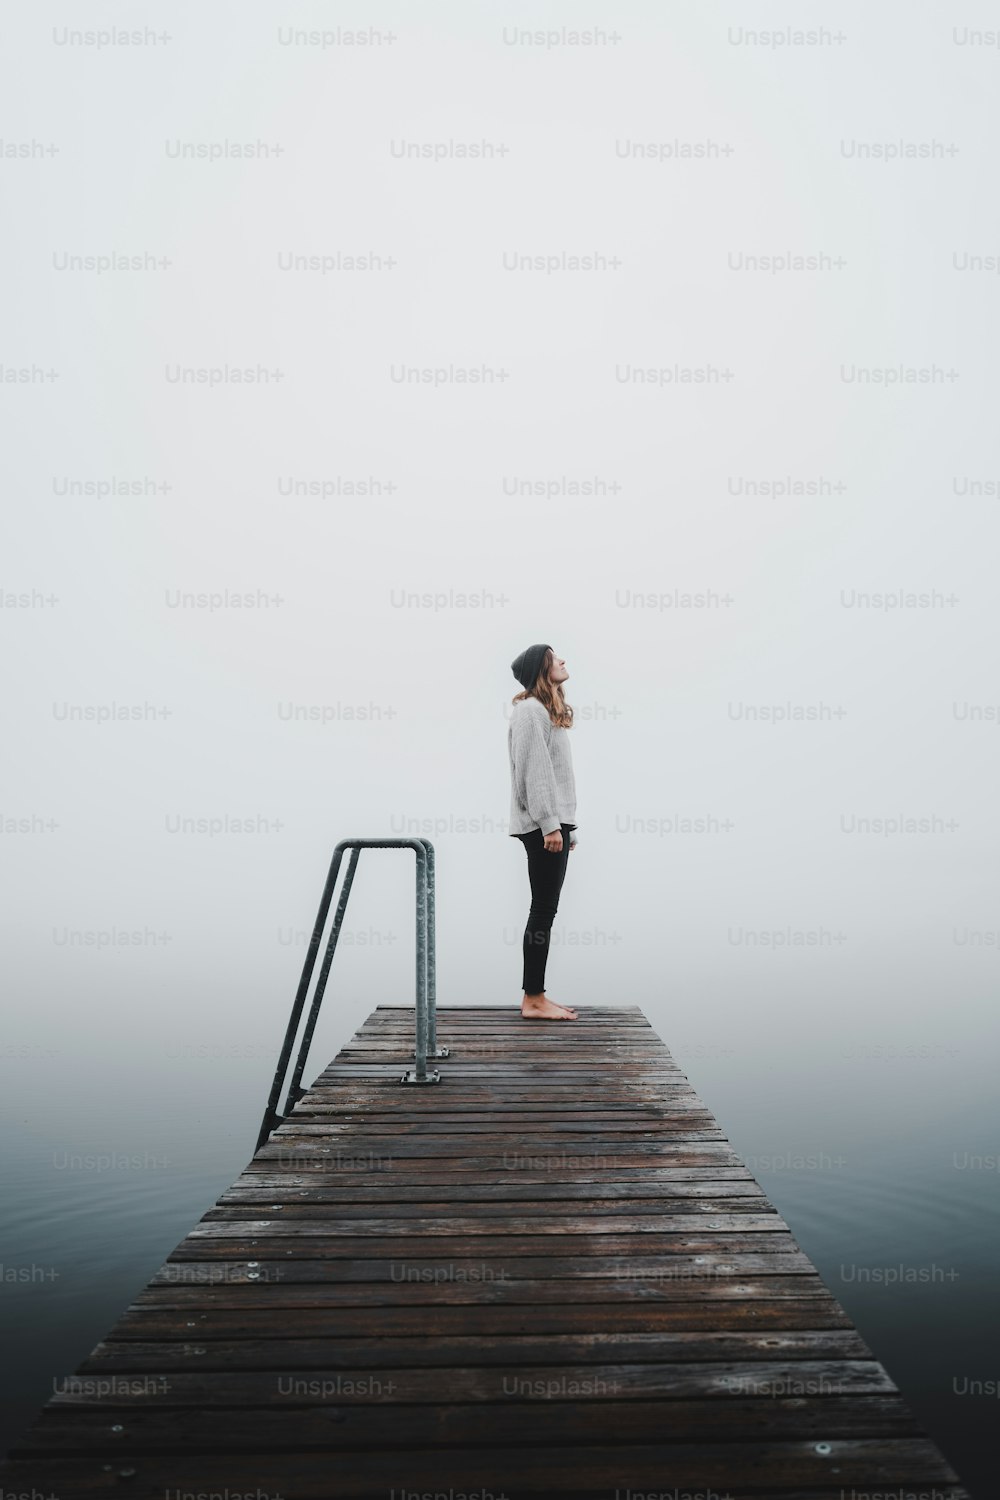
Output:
(884, 1166)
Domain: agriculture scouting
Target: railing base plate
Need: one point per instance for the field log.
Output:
(410, 1077)
(437, 1052)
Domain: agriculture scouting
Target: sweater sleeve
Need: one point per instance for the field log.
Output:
(534, 777)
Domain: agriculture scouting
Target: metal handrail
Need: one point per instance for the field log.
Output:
(426, 996)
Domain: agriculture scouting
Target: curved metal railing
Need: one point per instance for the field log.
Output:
(426, 976)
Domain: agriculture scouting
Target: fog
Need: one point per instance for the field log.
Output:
(279, 522)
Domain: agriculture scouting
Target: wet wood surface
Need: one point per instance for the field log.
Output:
(548, 1275)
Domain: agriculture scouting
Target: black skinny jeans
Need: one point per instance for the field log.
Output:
(546, 873)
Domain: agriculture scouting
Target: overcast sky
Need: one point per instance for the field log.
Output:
(674, 348)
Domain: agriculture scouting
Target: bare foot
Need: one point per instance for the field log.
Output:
(541, 1008)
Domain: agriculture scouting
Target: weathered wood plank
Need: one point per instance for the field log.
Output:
(441, 1225)
(588, 1194)
(643, 1315)
(66, 1429)
(579, 1268)
(694, 1241)
(744, 1471)
(784, 1338)
(431, 1284)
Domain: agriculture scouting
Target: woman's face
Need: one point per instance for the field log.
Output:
(557, 671)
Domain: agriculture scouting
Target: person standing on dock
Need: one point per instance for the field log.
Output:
(542, 809)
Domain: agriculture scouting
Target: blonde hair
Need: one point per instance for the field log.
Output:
(550, 694)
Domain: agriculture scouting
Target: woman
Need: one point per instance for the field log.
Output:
(542, 809)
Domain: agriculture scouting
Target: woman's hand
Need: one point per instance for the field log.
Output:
(553, 841)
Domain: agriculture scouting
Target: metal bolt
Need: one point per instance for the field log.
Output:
(117, 1427)
(126, 1473)
(823, 1448)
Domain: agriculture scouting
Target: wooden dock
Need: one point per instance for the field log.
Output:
(549, 1274)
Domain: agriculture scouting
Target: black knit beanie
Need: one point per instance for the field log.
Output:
(527, 666)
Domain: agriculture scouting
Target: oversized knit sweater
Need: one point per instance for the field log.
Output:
(542, 787)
